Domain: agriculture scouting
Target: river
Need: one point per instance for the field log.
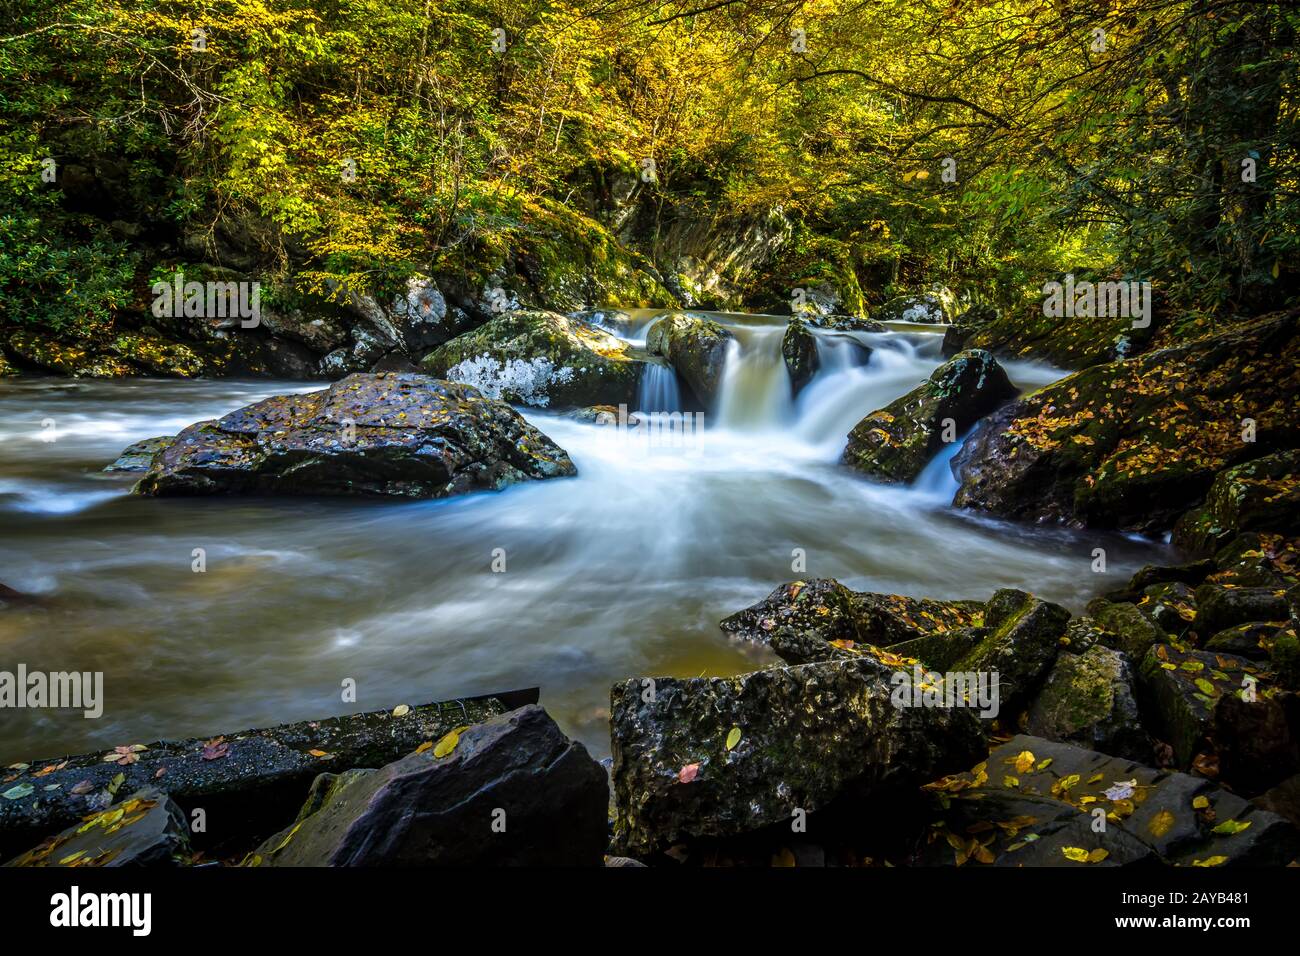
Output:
(622, 571)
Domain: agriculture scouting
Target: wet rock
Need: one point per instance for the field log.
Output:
(1257, 741)
(145, 829)
(1180, 688)
(696, 347)
(321, 330)
(1024, 635)
(1219, 607)
(1132, 631)
(386, 435)
(1244, 640)
(957, 336)
(138, 456)
(248, 783)
(799, 349)
(895, 443)
(941, 650)
(1284, 800)
(1191, 574)
(1254, 560)
(1259, 495)
(719, 757)
(1133, 444)
(1171, 605)
(155, 355)
(844, 323)
(1033, 803)
(927, 308)
(1088, 699)
(78, 360)
(513, 792)
(534, 357)
(1083, 633)
(827, 609)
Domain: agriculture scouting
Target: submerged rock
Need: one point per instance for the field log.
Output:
(696, 347)
(386, 434)
(534, 357)
(799, 349)
(1133, 444)
(1035, 802)
(895, 443)
(512, 791)
(1259, 495)
(145, 829)
(1088, 699)
(718, 757)
(139, 456)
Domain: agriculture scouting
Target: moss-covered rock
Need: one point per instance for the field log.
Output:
(1171, 605)
(1024, 636)
(1133, 444)
(720, 757)
(696, 347)
(6, 370)
(1219, 607)
(157, 356)
(1088, 699)
(1130, 629)
(895, 443)
(388, 435)
(78, 360)
(533, 357)
(140, 455)
(1258, 495)
(1250, 640)
(927, 308)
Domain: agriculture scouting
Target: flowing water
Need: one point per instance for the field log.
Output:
(622, 571)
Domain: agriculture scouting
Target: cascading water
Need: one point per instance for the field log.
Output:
(658, 390)
(622, 571)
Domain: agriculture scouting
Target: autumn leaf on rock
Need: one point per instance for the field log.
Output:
(688, 773)
(215, 749)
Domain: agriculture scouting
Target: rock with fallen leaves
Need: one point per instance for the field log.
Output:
(1022, 641)
(1133, 444)
(706, 758)
(1179, 688)
(1036, 802)
(386, 434)
(823, 609)
(145, 829)
(895, 443)
(511, 791)
(1089, 700)
(1259, 495)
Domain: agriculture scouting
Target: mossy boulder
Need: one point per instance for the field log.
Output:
(895, 443)
(6, 370)
(927, 308)
(709, 758)
(1219, 607)
(139, 456)
(534, 357)
(1171, 605)
(696, 347)
(1258, 495)
(1024, 636)
(1088, 699)
(400, 435)
(844, 323)
(1129, 628)
(1133, 444)
(75, 359)
(1244, 640)
(799, 349)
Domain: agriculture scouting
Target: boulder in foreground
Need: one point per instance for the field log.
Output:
(512, 791)
(720, 757)
(145, 829)
(386, 434)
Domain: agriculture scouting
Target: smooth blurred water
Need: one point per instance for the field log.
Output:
(623, 571)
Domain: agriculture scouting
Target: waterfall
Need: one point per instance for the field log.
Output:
(658, 390)
(755, 388)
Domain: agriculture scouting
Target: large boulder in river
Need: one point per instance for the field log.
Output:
(823, 610)
(1133, 444)
(696, 346)
(534, 357)
(1035, 802)
(895, 443)
(1259, 495)
(512, 791)
(399, 435)
(799, 349)
(719, 757)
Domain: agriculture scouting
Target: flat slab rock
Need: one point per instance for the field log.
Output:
(145, 829)
(1034, 802)
(717, 757)
(513, 791)
(247, 782)
(385, 434)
